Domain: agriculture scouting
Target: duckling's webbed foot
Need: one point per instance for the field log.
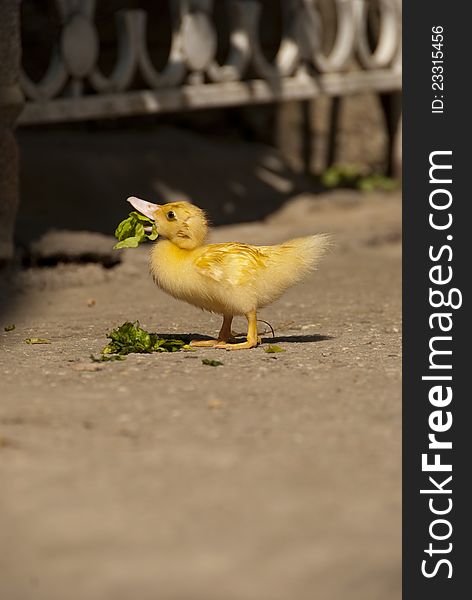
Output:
(252, 338)
(223, 337)
(238, 346)
(204, 343)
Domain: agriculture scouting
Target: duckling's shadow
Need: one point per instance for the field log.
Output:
(296, 339)
(265, 340)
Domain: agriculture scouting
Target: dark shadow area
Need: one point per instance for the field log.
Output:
(28, 260)
(295, 339)
(79, 180)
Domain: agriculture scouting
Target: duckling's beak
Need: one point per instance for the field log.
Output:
(148, 209)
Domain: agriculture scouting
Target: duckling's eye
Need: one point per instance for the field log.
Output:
(171, 215)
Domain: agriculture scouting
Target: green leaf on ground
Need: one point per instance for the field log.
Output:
(37, 341)
(132, 338)
(211, 363)
(353, 176)
(130, 232)
(272, 349)
(9, 327)
(107, 357)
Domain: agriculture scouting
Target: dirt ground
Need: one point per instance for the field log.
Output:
(272, 477)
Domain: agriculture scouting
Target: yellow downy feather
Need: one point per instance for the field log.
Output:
(229, 278)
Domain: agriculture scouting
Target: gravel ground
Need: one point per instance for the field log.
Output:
(274, 476)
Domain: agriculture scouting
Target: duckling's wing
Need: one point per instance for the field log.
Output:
(232, 263)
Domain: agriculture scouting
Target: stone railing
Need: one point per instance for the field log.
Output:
(364, 54)
(75, 88)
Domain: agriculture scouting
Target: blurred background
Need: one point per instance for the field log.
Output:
(280, 118)
(283, 92)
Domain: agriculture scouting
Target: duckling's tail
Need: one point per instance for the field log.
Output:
(307, 251)
(292, 260)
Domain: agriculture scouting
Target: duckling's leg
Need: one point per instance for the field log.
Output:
(252, 338)
(223, 336)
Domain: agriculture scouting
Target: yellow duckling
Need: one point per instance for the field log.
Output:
(229, 279)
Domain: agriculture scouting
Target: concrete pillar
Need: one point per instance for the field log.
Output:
(11, 102)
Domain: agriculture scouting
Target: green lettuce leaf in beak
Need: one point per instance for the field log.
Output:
(131, 232)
